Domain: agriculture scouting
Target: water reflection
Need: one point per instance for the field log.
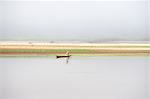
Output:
(83, 78)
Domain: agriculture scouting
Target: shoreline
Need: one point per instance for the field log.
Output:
(79, 49)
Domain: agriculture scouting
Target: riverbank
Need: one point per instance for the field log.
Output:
(79, 49)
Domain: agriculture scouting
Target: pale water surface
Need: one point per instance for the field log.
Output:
(83, 78)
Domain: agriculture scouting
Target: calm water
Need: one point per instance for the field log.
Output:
(82, 78)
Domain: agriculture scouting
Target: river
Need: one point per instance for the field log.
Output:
(104, 77)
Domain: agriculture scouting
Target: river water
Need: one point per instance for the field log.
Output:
(112, 77)
(82, 78)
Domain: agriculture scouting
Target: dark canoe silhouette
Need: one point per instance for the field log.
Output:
(63, 56)
(67, 56)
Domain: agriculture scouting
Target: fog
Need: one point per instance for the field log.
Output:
(84, 77)
(75, 21)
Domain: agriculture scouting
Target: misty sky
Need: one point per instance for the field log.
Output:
(84, 21)
(84, 77)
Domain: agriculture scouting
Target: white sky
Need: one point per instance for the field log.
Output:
(92, 21)
(73, 0)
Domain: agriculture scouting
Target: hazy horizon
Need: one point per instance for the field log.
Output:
(75, 21)
(100, 77)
